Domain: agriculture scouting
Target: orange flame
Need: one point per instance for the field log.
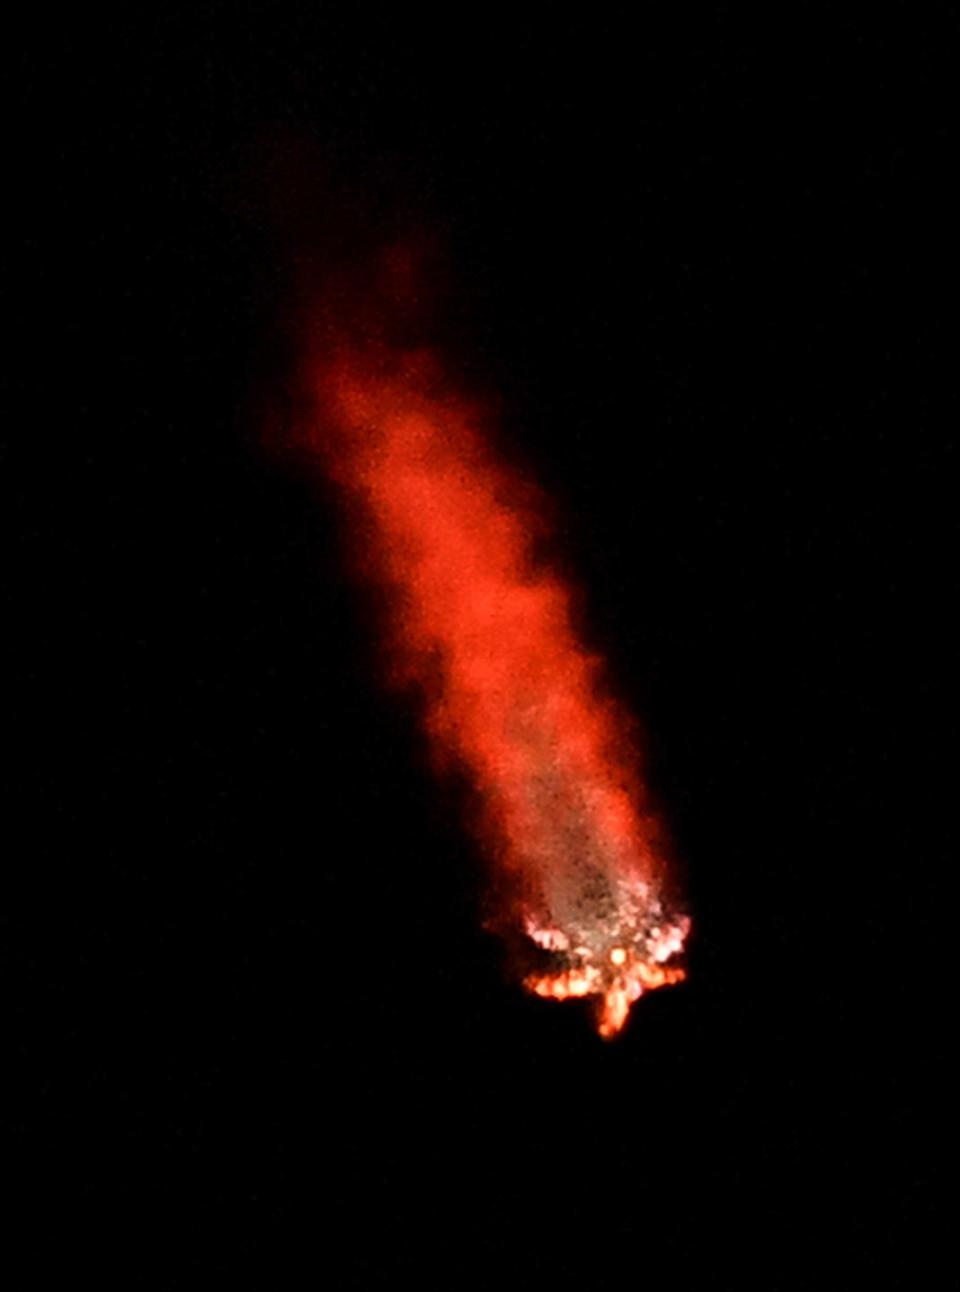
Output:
(619, 979)
(510, 693)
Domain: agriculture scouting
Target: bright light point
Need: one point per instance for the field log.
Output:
(616, 959)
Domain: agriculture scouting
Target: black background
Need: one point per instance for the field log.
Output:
(699, 260)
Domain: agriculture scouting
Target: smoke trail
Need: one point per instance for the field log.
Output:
(484, 632)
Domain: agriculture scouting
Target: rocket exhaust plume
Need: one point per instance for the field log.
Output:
(484, 631)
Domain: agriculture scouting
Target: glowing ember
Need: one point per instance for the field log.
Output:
(486, 634)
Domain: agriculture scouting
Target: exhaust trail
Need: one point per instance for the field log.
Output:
(478, 624)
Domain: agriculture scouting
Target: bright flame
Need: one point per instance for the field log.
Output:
(486, 634)
(620, 976)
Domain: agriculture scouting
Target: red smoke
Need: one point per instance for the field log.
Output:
(484, 631)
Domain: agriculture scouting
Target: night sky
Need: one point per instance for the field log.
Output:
(259, 1036)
